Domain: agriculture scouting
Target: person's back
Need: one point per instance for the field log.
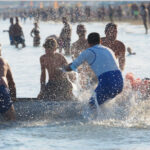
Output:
(101, 57)
(52, 63)
(6, 84)
(58, 86)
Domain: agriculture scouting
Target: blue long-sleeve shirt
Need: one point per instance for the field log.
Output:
(100, 59)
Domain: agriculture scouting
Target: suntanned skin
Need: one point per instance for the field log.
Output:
(117, 46)
(80, 45)
(52, 62)
(77, 47)
(6, 79)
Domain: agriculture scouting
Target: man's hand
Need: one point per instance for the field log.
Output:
(67, 68)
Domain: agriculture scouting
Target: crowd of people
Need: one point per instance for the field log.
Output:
(100, 54)
(80, 13)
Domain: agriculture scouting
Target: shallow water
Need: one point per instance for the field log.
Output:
(122, 123)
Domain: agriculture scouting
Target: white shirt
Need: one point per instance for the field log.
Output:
(100, 59)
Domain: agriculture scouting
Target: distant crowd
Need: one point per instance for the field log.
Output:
(77, 13)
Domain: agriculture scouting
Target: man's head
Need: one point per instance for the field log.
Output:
(11, 20)
(36, 25)
(64, 20)
(111, 31)
(50, 44)
(81, 31)
(93, 39)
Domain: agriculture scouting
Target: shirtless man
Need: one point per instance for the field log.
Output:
(81, 44)
(7, 90)
(65, 37)
(18, 34)
(58, 86)
(77, 47)
(117, 46)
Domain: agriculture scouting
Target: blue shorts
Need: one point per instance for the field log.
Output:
(110, 85)
(5, 100)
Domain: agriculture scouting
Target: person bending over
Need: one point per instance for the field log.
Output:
(103, 63)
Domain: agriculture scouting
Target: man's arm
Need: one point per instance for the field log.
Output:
(121, 57)
(43, 75)
(11, 84)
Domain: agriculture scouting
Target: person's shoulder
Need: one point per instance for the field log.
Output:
(3, 61)
(119, 42)
(42, 57)
(58, 55)
(74, 44)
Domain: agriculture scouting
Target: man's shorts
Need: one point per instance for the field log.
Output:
(5, 100)
(110, 85)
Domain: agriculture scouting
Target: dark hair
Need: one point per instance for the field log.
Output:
(110, 25)
(81, 28)
(94, 38)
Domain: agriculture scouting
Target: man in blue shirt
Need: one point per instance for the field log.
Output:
(103, 63)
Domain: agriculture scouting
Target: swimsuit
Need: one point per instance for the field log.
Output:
(5, 100)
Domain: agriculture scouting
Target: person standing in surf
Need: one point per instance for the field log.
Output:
(35, 33)
(18, 34)
(103, 63)
(115, 45)
(58, 86)
(144, 15)
(7, 90)
(65, 37)
(77, 47)
(11, 31)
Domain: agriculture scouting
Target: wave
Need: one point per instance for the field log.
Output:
(126, 110)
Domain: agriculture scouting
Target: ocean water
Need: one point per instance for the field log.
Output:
(122, 123)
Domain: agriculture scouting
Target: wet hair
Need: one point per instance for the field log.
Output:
(50, 43)
(81, 28)
(94, 38)
(110, 25)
